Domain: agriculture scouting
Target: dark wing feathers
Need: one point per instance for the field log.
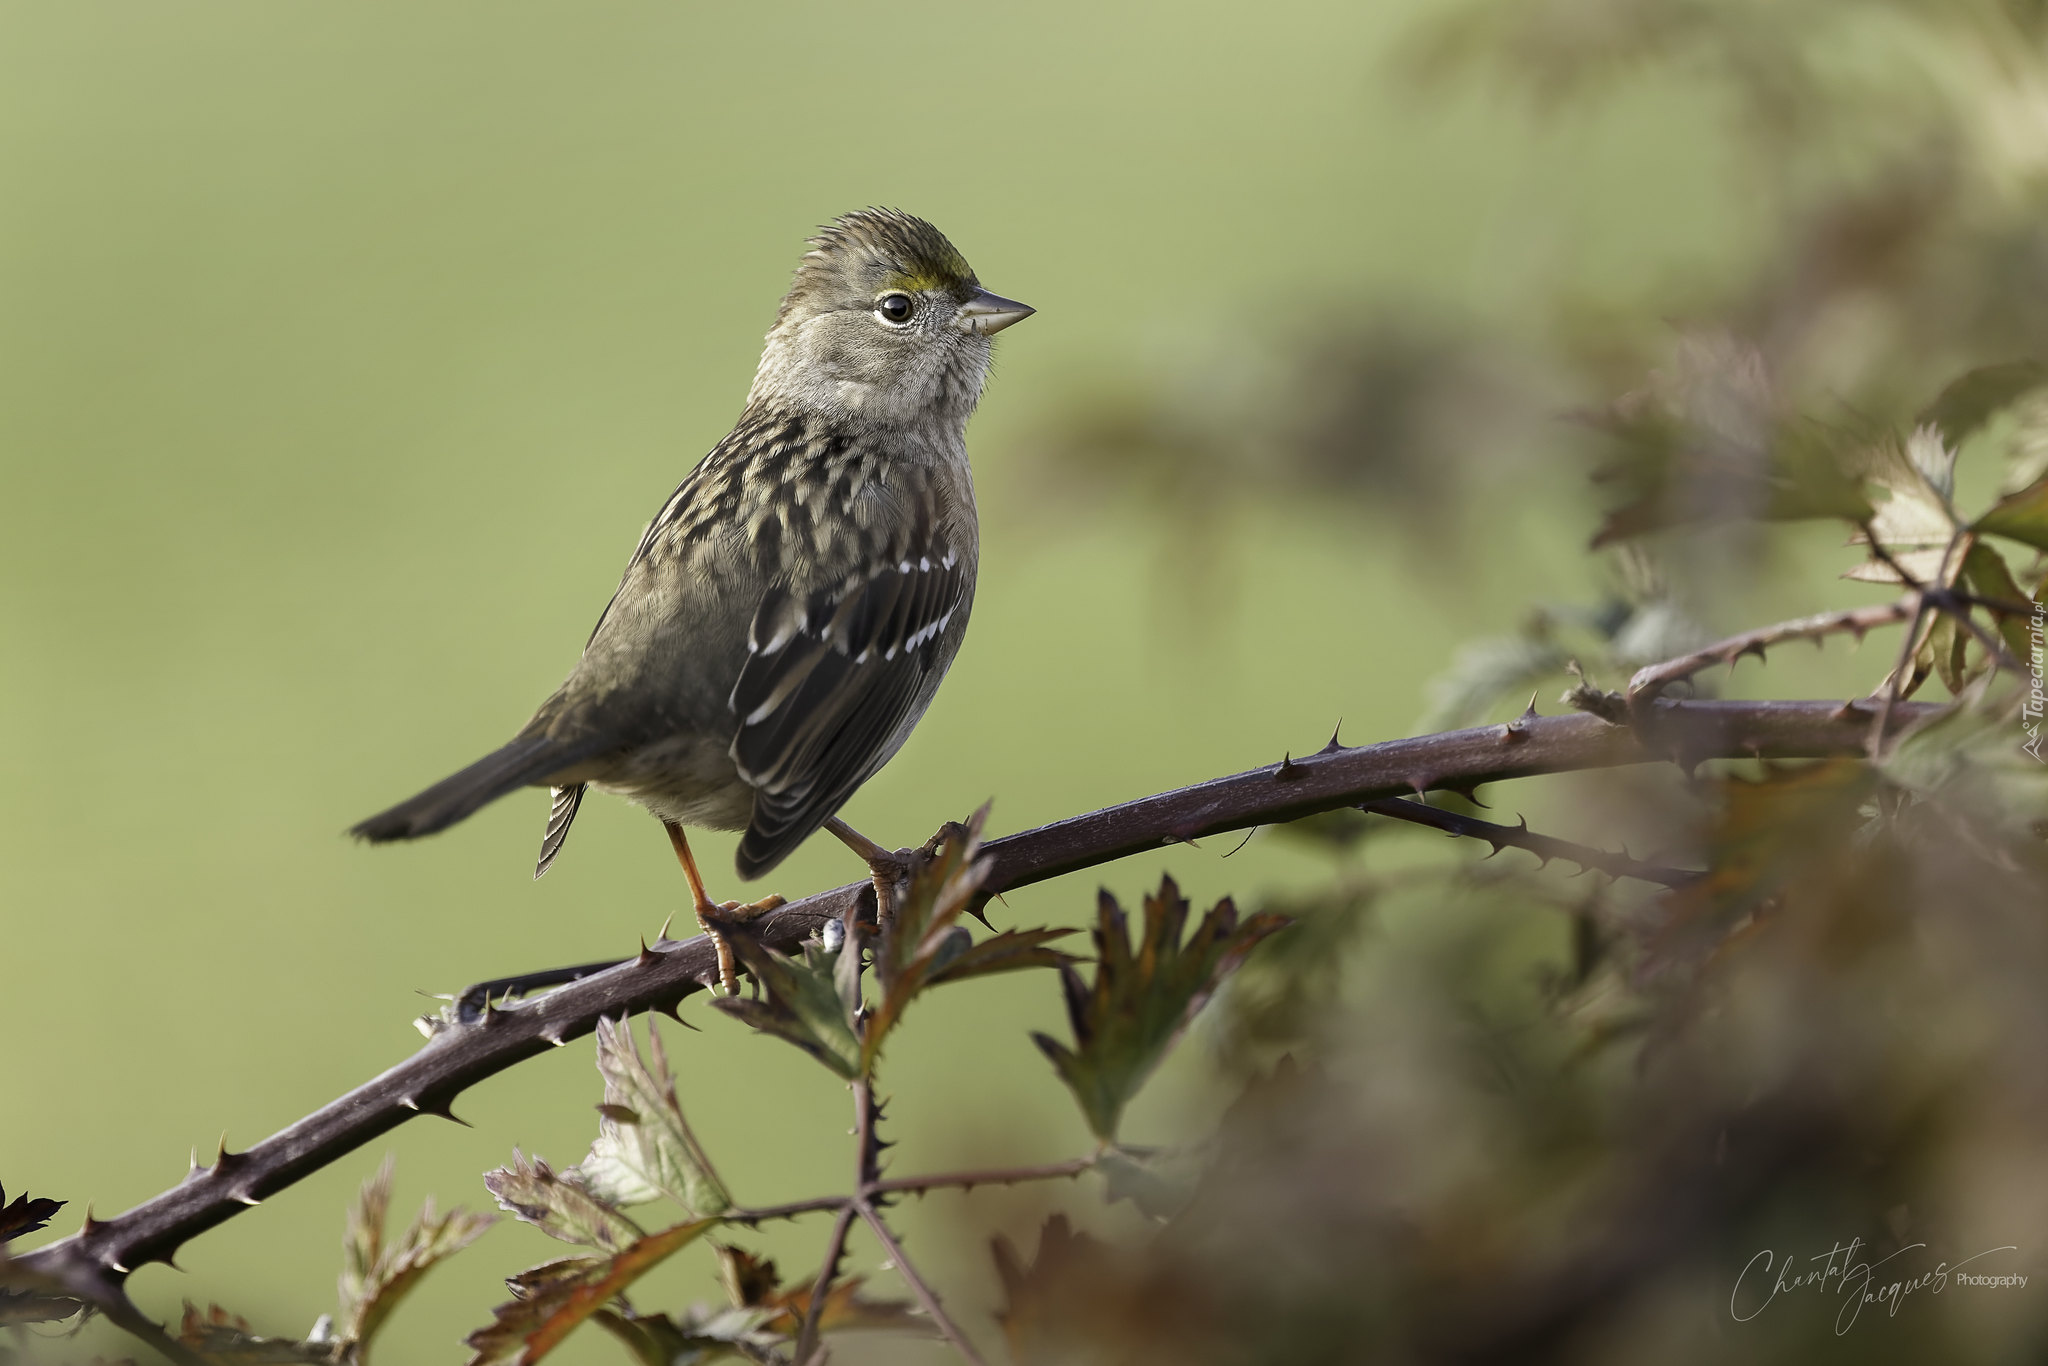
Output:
(830, 682)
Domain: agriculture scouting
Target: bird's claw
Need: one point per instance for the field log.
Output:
(712, 915)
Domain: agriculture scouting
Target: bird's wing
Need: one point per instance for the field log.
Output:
(833, 679)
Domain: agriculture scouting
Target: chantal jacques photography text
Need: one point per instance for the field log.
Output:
(1863, 1283)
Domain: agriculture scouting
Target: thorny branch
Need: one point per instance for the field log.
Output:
(1545, 847)
(457, 1057)
(1857, 620)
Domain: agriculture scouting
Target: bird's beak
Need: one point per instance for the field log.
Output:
(987, 313)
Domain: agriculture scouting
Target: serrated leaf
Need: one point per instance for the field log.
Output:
(699, 1336)
(1978, 395)
(1704, 442)
(924, 943)
(28, 1297)
(1917, 522)
(1142, 999)
(752, 1282)
(1008, 951)
(2022, 516)
(376, 1275)
(224, 1339)
(644, 1148)
(551, 1301)
(1040, 1297)
(800, 1002)
(558, 1206)
(1988, 576)
(920, 932)
(25, 1214)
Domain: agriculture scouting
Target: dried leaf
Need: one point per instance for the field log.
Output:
(26, 1214)
(559, 1206)
(1045, 1303)
(375, 1275)
(1142, 999)
(753, 1283)
(550, 1301)
(644, 1148)
(1917, 522)
(31, 1297)
(801, 1002)
(225, 1339)
(699, 1336)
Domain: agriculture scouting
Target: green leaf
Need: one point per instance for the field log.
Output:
(800, 1002)
(559, 1206)
(1947, 646)
(1160, 1185)
(1977, 396)
(1483, 672)
(1704, 441)
(551, 1300)
(1142, 999)
(644, 1148)
(376, 1275)
(924, 944)
(2022, 516)
(1006, 952)
(1988, 576)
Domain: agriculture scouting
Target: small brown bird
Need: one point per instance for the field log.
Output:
(789, 613)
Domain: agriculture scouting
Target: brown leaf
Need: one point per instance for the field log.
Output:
(551, 1300)
(227, 1340)
(25, 1215)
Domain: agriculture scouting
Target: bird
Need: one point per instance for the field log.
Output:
(791, 610)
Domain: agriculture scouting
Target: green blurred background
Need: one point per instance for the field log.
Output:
(344, 350)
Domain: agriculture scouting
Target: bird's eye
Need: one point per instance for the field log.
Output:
(894, 308)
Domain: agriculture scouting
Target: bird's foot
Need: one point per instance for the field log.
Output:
(712, 917)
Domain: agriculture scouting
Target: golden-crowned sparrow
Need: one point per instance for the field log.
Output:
(790, 611)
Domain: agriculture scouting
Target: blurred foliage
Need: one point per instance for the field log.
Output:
(1485, 1112)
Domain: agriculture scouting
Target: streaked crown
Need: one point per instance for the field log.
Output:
(862, 253)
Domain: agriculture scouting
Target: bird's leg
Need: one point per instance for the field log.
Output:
(886, 868)
(710, 913)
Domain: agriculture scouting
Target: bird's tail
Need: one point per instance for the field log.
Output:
(525, 762)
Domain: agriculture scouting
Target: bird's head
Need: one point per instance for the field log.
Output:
(885, 322)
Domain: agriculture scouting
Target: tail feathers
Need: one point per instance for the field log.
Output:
(522, 763)
(566, 801)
